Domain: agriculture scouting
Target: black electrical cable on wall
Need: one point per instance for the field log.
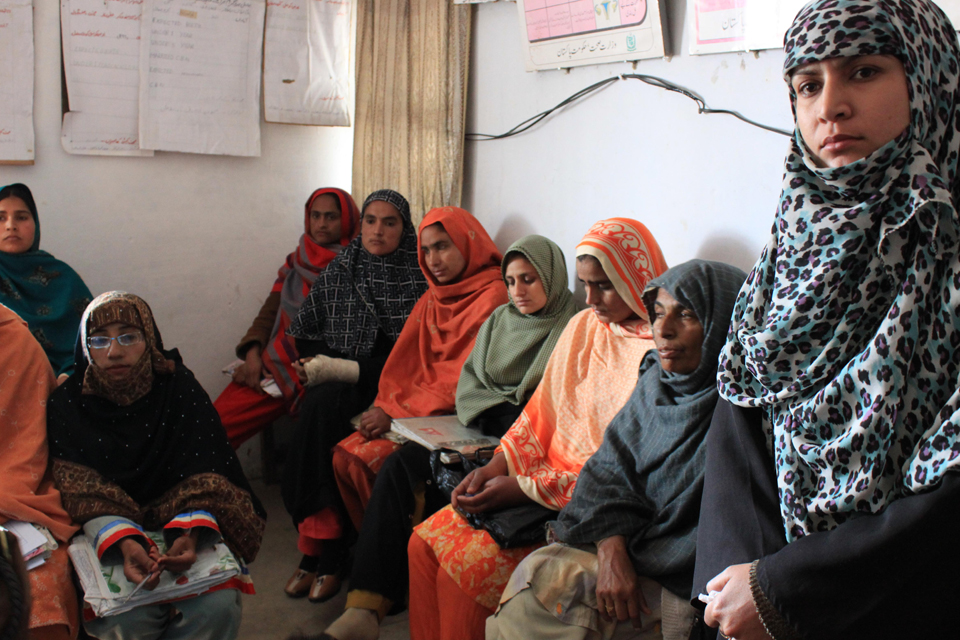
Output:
(655, 81)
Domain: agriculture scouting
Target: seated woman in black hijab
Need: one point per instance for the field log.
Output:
(137, 446)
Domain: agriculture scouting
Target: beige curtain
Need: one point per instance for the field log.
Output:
(412, 62)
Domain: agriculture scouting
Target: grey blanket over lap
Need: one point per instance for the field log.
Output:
(646, 479)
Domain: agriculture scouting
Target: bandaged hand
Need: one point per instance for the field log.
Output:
(325, 369)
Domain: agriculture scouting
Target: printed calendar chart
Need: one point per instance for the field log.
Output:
(557, 18)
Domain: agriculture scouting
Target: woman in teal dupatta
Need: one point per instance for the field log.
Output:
(44, 291)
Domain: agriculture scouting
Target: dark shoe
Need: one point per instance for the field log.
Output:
(299, 585)
(324, 588)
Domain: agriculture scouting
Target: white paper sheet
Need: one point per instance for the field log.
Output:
(101, 58)
(718, 26)
(16, 81)
(200, 76)
(952, 9)
(306, 62)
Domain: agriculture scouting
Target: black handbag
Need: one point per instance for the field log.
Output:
(519, 526)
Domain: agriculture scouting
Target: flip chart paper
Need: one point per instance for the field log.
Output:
(200, 76)
(306, 65)
(101, 58)
(16, 81)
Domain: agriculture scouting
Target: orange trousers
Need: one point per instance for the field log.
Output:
(439, 609)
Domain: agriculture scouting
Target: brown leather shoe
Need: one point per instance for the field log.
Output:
(299, 585)
(324, 588)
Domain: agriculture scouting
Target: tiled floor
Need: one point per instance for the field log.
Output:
(271, 614)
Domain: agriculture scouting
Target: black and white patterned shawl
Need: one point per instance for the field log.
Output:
(646, 479)
(359, 293)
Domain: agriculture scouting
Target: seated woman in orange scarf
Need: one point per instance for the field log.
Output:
(27, 493)
(457, 573)
(331, 221)
(462, 266)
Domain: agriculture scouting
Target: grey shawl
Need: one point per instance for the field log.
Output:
(646, 479)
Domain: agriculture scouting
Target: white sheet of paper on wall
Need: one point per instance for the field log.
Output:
(101, 60)
(952, 9)
(569, 33)
(721, 26)
(200, 65)
(306, 62)
(16, 81)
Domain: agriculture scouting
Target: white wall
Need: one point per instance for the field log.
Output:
(199, 237)
(706, 186)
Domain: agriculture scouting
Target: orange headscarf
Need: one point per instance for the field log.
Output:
(591, 373)
(631, 257)
(26, 379)
(420, 376)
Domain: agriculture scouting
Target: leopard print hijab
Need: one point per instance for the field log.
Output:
(845, 330)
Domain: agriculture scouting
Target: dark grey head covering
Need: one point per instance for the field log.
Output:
(646, 479)
(390, 197)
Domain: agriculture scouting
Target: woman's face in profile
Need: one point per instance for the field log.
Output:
(847, 108)
(17, 226)
(441, 255)
(678, 334)
(602, 295)
(524, 285)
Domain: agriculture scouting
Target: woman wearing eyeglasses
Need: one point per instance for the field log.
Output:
(137, 447)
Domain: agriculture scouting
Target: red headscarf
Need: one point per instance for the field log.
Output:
(294, 280)
(420, 376)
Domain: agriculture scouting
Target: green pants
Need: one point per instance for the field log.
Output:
(211, 616)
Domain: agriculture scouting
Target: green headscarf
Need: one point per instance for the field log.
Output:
(512, 349)
(45, 292)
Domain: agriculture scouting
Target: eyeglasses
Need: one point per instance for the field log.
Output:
(126, 340)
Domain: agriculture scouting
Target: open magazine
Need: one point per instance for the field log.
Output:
(106, 591)
(443, 432)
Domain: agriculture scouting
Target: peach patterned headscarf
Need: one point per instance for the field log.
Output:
(591, 373)
(631, 257)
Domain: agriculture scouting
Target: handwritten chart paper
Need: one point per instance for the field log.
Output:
(719, 26)
(200, 76)
(16, 81)
(101, 58)
(306, 62)
(569, 33)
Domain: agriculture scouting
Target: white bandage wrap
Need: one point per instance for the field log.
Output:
(324, 369)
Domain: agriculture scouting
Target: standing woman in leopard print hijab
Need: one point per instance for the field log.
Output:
(841, 412)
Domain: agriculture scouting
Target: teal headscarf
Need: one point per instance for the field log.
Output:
(45, 292)
(846, 331)
(512, 348)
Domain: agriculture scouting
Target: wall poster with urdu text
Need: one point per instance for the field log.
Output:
(306, 62)
(569, 33)
(721, 26)
(16, 82)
